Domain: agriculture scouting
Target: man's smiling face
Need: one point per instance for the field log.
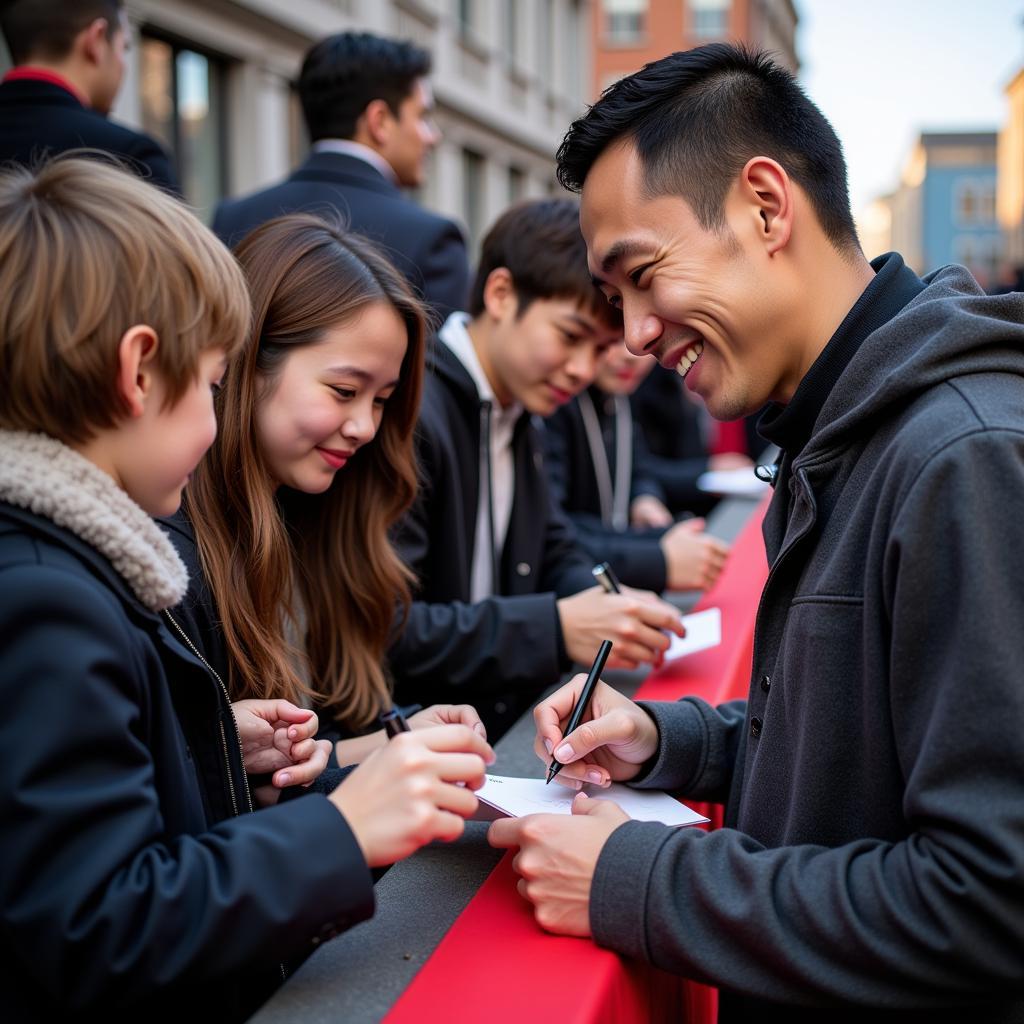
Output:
(700, 300)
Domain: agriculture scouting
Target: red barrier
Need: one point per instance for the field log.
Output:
(497, 965)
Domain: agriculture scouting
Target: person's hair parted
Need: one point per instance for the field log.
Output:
(88, 250)
(540, 243)
(274, 559)
(46, 29)
(342, 74)
(696, 117)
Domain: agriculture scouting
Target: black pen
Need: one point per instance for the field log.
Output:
(584, 699)
(604, 575)
(394, 722)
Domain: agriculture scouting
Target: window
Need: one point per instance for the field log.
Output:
(512, 31)
(709, 18)
(183, 107)
(468, 15)
(625, 21)
(516, 184)
(981, 254)
(975, 200)
(545, 43)
(473, 167)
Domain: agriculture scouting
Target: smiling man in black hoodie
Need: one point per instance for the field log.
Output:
(873, 854)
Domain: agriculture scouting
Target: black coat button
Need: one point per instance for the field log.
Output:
(766, 683)
(755, 727)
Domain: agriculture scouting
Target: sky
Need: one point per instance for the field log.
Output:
(882, 71)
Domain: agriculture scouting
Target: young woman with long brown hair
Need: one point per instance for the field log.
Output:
(285, 526)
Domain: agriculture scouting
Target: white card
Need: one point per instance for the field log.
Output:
(732, 482)
(703, 630)
(516, 797)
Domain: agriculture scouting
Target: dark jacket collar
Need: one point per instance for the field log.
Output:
(892, 288)
(96, 563)
(24, 90)
(447, 366)
(342, 169)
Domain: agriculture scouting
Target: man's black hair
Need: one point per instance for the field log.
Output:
(539, 242)
(46, 29)
(344, 73)
(696, 117)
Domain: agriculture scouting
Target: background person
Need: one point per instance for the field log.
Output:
(69, 60)
(598, 467)
(369, 111)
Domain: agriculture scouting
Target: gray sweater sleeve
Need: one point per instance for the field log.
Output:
(696, 749)
(923, 921)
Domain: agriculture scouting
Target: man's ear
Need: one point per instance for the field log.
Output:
(500, 298)
(376, 121)
(92, 40)
(135, 378)
(768, 193)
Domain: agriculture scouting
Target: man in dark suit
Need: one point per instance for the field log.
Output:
(69, 57)
(368, 107)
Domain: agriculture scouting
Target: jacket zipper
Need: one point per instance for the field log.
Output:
(223, 737)
(783, 555)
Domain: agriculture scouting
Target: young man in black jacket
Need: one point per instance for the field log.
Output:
(506, 600)
(69, 57)
(872, 863)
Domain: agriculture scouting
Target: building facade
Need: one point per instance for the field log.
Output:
(945, 208)
(1010, 186)
(626, 34)
(214, 81)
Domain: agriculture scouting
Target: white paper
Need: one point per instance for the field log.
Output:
(516, 797)
(703, 630)
(733, 482)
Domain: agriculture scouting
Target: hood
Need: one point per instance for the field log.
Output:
(951, 329)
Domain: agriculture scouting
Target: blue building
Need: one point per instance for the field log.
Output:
(945, 208)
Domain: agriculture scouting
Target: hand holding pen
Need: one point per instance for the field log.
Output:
(583, 701)
(611, 742)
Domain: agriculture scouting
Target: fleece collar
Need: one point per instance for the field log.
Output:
(49, 479)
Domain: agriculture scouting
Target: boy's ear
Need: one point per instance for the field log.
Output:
(768, 191)
(135, 377)
(500, 298)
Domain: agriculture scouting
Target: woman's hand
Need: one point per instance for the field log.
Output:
(279, 738)
(448, 714)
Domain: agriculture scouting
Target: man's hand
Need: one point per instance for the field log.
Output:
(615, 738)
(635, 621)
(646, 510)
(557, 857)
